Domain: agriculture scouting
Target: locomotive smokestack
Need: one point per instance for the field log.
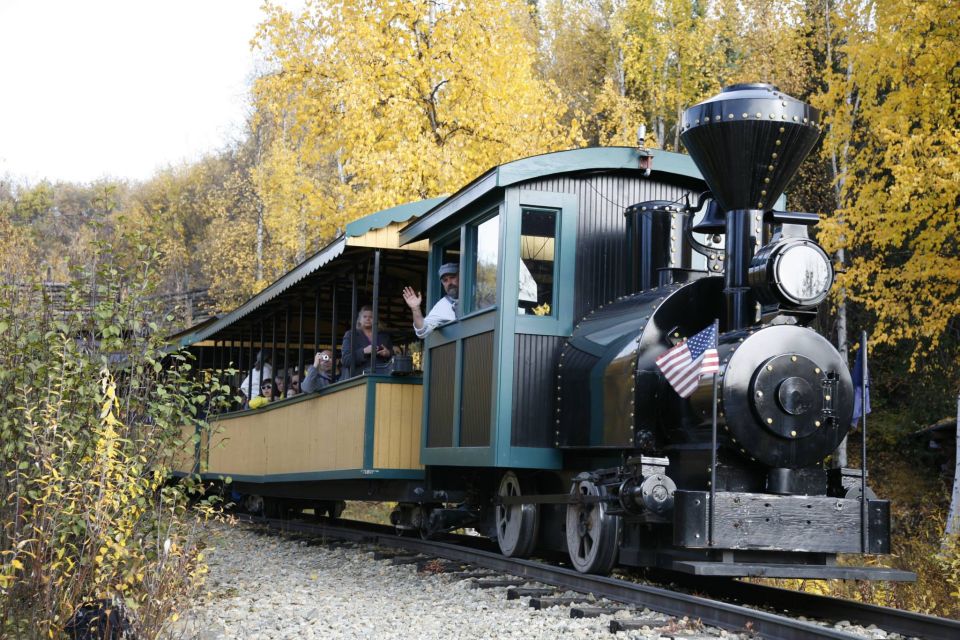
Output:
(748, 142)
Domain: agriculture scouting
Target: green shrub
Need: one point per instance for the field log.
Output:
(92, 408)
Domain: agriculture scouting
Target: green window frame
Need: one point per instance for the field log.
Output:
(564, 206)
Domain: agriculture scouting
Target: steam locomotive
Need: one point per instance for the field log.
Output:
(542, 418)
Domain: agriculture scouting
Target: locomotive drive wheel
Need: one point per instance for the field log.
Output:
(593, 536)
(517, 524)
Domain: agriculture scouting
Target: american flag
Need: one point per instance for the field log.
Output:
(687, 362)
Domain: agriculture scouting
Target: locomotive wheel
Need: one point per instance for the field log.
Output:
(517, 524)
(593, 536)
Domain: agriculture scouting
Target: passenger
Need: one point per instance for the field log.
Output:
(445, 311)
(294, 384)
(280, 386)
(264, 397)
(320, 373)
(360, 354)
(261, 373)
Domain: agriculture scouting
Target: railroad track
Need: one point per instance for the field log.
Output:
(732, 616)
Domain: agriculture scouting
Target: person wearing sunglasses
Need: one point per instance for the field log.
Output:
(264, 397)
(320, 373)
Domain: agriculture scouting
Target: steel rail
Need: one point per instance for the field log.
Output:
(907, 623)
(732, 617)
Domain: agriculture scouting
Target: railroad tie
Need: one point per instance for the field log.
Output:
(434, 565)
(544, 603)
(526, 592)
(595, 612)
(636, 624)
(494, 584)
(467, 575)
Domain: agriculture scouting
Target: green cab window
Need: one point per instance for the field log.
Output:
(538, 264)
(486, 258)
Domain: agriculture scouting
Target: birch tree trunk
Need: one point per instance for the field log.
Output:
(953, 517)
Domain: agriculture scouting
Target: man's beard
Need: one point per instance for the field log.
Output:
(453, 292)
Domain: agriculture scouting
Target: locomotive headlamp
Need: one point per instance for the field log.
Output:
(795, 273)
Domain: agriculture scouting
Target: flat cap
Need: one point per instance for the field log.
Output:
(448, 268)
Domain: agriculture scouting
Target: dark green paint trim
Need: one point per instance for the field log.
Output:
(342, 474)
(565, 250)
(369, 420)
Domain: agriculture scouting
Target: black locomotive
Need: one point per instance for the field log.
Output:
(783, 400)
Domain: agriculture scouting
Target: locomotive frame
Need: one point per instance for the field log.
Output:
(539, 419)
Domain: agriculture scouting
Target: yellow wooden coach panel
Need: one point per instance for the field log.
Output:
(320, 433)
(396, 443)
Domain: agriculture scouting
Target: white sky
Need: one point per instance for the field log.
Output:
(114, 88)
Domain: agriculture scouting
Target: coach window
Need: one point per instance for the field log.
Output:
(538, 264)
(485, 259)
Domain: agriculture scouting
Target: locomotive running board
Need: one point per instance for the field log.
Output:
(771, 570)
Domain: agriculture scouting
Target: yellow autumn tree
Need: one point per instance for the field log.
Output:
(372, 103)
(672, 61)
(582, 52)
(894, 122)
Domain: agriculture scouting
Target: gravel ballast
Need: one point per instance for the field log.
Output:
(272, 587)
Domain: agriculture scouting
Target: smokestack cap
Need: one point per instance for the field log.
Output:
(748, 142)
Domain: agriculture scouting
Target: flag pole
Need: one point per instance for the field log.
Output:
(864, 378)
(713, 449)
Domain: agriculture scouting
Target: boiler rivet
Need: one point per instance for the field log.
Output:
(793, 433)
(759, 393)
(816, 423)
(769, 367)
(769, 420)
(817, 370)
(793, 358)
(826, 397)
